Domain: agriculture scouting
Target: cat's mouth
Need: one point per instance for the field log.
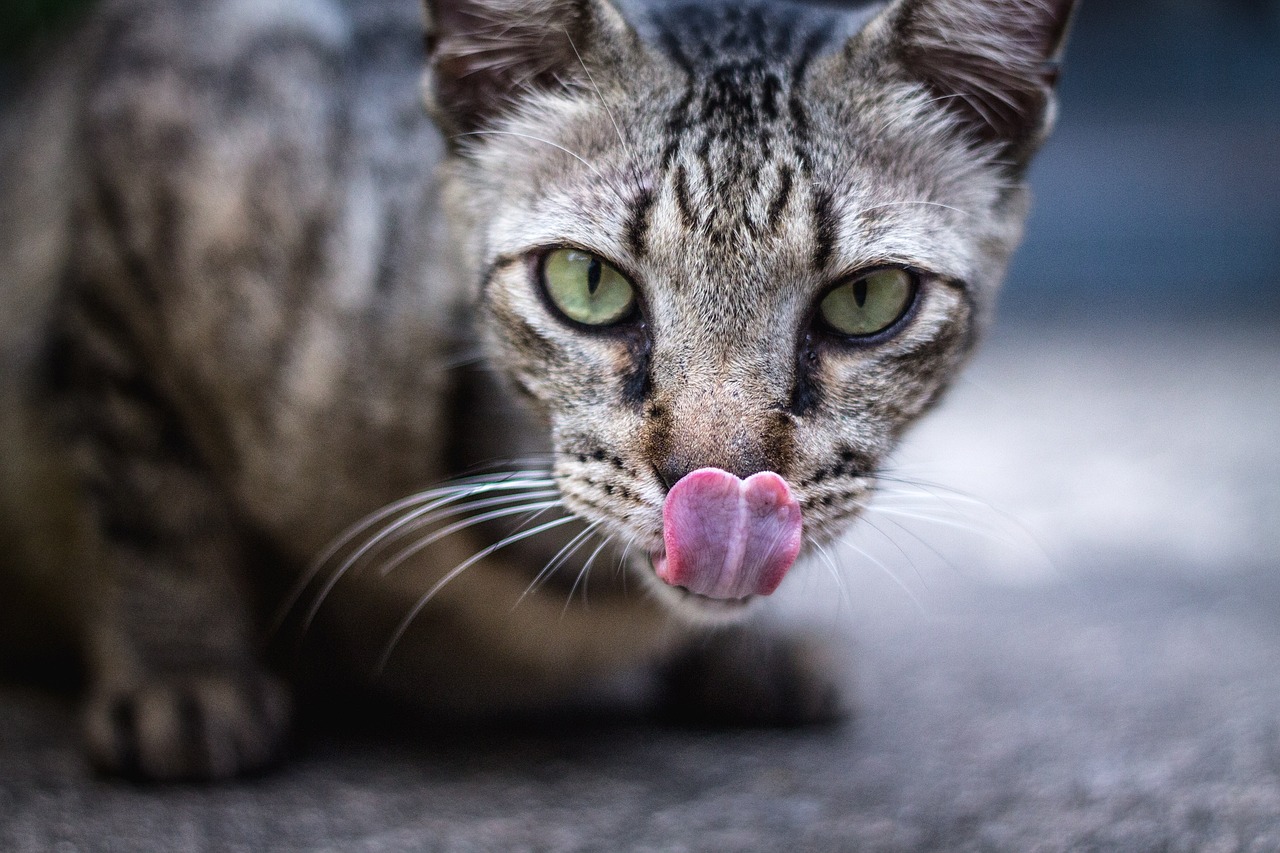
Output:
(727, 540)
(658, 561)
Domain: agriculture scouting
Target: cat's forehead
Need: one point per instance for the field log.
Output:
(733, 159)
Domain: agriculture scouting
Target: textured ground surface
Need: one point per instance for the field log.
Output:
(1102, 674)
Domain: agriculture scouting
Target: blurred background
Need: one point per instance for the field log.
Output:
(1160, 193)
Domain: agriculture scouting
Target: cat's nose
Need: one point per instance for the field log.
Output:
(675, 466)
(702, 432)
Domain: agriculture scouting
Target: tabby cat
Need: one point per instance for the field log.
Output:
(495, 402)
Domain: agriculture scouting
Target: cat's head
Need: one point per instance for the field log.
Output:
(742, 237)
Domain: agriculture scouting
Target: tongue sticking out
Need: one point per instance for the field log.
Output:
(729, 538)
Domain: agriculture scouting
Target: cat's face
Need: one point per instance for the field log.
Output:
(761, 246)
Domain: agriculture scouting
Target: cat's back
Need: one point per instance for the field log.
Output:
(139, 88)
(247, 162)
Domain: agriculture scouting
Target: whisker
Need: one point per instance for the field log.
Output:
(465, 359)
(420, 512)
(622, 562)
(462, 487)
(889, 572)
(866, 210)
(404, 554)
(949, 500)
(457, 490)
(940, 521)
(415, 522)
(897, 546)
(453, 573)
(586, 568)
(540, 463)
(599, 548)
(422, 518)
(599, 94)
(562, 556)
(924, 542)
(631, 158)
(558, 147)
(932, 488)
(834, 571)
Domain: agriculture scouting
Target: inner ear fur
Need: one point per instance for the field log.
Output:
(485, 55)
(992, 63)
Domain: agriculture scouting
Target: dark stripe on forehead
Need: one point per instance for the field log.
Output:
(824, 228)
(684, 203)
(780, 199)
(744, 64)
(638, 223)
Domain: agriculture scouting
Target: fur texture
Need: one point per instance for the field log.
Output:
(265, 298)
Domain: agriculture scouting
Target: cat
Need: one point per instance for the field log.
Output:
(632, 312)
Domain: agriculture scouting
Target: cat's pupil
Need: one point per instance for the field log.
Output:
(594, 270)
(860, 293)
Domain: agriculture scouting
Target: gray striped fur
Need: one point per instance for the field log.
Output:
(253, 293)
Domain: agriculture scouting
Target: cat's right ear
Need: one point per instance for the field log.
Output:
(991, 64)
(484, 56)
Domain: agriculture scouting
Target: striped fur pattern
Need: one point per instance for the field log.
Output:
(260, 297)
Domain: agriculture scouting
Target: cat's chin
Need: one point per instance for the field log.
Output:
(692, 607)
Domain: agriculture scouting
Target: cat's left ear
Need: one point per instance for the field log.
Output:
(484, 56)
(992, 64)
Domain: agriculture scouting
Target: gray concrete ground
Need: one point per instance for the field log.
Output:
(1073, 646)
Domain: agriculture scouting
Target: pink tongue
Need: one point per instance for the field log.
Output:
(729, 538)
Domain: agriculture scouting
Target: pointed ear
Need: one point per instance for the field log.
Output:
(484, 55)
(993, 63)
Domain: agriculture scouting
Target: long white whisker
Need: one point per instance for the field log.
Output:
(954, 496)
(929, 488)
(415, 521)
(497, 468)
(562, 556)
(463, 486)
(925, 543)
(421, 512)
(424, 518)
(866, 521)
(599, 94)
(453, 573)
(897, 580)
(405, 553)
(976, 530)
(631, 158)
(443, 494)
(586, 568)
(622, 562)
(834, 571)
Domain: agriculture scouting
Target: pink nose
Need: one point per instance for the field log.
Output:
(727, 537)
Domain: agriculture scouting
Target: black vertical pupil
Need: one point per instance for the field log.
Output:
(594, 271)
(860, 292)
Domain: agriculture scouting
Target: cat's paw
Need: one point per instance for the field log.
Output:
(201, 727)
(740, 679)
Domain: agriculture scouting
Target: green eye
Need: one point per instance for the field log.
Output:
(586, 289)
(870, 304)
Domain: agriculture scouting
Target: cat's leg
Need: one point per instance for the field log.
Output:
(177, 692)
(745, 677)
(176, 688)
